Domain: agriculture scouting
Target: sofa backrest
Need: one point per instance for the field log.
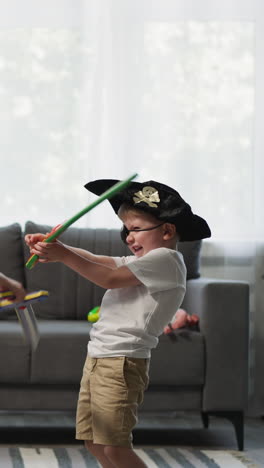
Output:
(11, 258)
(11, 252)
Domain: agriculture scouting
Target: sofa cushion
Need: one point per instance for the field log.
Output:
(170, 400)
(11, 257)
(11, 252)
(178, 360)
(71, 296)
(61, 352)
(14, 354)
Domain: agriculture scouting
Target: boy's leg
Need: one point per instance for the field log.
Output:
(84, 426)
(123, 456)
(117, 388)
(111, 391)
(114, 457)
(97, 451)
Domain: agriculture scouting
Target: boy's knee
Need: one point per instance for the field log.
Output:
(88, 445)
(114, 453)
(111, 452)
(94, 449)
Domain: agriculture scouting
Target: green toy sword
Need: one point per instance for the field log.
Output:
(58, 230)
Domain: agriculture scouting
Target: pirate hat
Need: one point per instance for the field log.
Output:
(159, 200)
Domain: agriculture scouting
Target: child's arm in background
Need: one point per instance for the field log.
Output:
(104, 274)
(7, 283)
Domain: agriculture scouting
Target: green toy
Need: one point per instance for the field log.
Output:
(62, 227)
(93, 315)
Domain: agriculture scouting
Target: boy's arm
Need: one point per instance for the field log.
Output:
(32, 239)
(99, 259)
(108, 276)
(101, 274)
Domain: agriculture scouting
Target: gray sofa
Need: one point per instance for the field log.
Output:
(204, 371)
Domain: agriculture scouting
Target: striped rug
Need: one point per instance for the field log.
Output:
(78, 457)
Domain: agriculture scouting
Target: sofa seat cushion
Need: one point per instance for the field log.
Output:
(14, 354)
(174, 399)
(180, 361)
(61, 352)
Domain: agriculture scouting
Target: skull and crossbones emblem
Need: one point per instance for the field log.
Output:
(148, 195)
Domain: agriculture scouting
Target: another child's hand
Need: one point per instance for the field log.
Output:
(168, 329)
(180, 320)
(14, 286)
(49, 251)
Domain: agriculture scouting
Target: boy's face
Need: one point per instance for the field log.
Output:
(142, 242)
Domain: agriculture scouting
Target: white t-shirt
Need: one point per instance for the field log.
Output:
(131, 319)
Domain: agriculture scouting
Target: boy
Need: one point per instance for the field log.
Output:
(143, 292)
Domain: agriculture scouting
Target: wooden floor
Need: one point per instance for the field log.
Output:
(175, 429)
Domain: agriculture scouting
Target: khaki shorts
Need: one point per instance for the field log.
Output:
(110, 393)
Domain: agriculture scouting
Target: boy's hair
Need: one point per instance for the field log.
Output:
(125, 208)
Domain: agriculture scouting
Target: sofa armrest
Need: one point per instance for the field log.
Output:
(223, 308)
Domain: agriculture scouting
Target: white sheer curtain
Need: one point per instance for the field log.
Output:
(172, 90)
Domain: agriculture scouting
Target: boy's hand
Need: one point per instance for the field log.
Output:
(49, 252)
(32, 239)
(14, 286)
